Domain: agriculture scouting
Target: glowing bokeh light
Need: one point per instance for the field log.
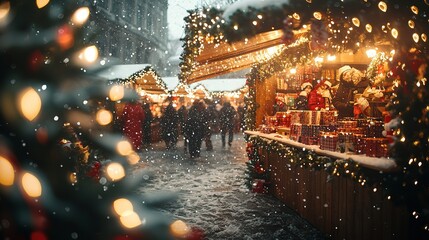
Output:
(41, 3)
(394, 33)
(89, 54)
(31, 185)
(104, 117)
(382, 6)
(116, 93)
(130, 220)
(368, 28)
(356, 21)
(7, 172)
(124, 148)
(30, 103)
(115, 171)
(317, 15)
(179, 228)
(122, 205)
(133, 158)
(80, 16)
(4, 10)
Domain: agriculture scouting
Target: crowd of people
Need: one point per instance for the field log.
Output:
(194, 124)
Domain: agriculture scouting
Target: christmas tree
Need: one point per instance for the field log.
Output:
(64, 172)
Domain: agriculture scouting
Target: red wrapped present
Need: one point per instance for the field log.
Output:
(376, 147)
(310, 117)
(328, 117)
(283, 119)
(328, 141)
(359, 143)
(345, 142)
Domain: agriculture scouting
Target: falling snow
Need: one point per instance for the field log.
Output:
(214, 198)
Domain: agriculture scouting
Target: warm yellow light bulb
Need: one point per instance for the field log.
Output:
(80, 16)
(122, 205)
(368, 28)
(423, 37)
(179, 228)
(7, 172)
(317, 15)
(115, 171)
(30, 103)
(41, 3)
(89, 54)
(411, 24)
(104, 117)
(416, 37)
(415, 9)
(116, 93)
(394, 33)
(382, 6)
(31, 185)
(356, 21)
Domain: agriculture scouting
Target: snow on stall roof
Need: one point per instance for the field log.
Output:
(221, 84)
(122, 71)
(212, 85)
(243, 5)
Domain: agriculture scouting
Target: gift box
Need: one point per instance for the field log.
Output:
(258, 186)
(271, 121)
(359, 143)
(295, 131)
(375, 129)
(347, 124)
(295, 116)
(328, 117)
(376, 147)
(328, 141)
(310, 117)
(345, 142)
(283, 119)
(309, 140)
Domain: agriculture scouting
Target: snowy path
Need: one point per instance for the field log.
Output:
(213, 197)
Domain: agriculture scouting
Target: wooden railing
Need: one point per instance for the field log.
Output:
(341, 207)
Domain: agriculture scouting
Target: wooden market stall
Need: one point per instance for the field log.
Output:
(376, 190)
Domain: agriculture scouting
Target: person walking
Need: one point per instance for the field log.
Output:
(226, 120)
(195, 128)
(169, 124)
(147, 128)
(182, 112)
(132, 119)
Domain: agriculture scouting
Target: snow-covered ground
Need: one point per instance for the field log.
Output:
(213, 197)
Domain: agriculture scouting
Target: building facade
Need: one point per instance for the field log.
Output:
(131, 31)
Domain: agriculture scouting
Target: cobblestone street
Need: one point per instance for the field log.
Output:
(213, 195)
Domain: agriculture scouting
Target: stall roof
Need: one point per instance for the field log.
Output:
(143, 76)
(222, 84)
(123, 71)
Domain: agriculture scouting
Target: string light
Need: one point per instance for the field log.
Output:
(7, 172)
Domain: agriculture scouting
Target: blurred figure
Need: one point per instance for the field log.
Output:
(182, 112)
(195, 128)
(226, 120)
(132, 119)
(301, 102)
(169, 124)
(147, 128)
(211, 121)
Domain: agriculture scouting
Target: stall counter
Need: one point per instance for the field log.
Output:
(379, 164)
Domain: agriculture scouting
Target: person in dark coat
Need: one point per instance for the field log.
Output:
(169, 124)
(301, 102)
(352, 82)
(226, 120)
(182, 112)
(147, 128)
(195, 128)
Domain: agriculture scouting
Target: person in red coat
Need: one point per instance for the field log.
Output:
(317, 99)
(132, 119)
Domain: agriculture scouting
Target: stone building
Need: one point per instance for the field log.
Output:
(131, 31)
